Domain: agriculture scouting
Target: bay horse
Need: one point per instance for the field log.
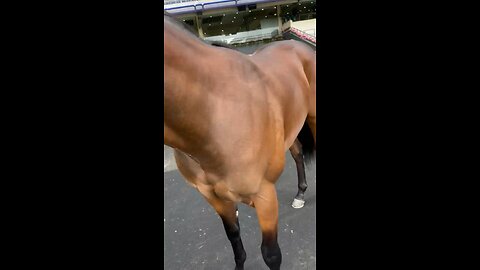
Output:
(231, 117)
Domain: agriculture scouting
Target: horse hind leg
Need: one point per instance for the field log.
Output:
(297, 154)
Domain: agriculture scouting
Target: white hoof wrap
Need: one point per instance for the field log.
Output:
(298, 203)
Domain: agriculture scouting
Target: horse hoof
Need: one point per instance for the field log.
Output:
(298, 203)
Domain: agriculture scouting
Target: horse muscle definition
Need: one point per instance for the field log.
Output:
(297, 150)
(231, 117)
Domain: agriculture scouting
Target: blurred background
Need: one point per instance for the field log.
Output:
(247, 24)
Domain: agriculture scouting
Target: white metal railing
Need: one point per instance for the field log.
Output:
(170, 2)
(173, 2)
(249, 36)
(303, 35)
(307, 26)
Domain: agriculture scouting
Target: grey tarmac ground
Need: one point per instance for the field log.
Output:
(195, 238)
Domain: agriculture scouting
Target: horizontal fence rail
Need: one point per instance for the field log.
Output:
(192, 6)
(244, 37)
(170, 2)
(303, 35)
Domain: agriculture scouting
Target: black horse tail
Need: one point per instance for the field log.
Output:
(308, 143)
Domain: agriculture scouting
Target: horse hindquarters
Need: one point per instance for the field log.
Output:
(310, 69)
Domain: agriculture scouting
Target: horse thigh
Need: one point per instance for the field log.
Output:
(189, 168)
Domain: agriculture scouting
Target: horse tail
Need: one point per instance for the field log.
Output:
(308, 143)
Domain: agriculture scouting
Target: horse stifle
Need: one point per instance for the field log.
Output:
(231, 117)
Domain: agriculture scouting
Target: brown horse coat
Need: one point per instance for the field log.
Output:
(231, 117)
